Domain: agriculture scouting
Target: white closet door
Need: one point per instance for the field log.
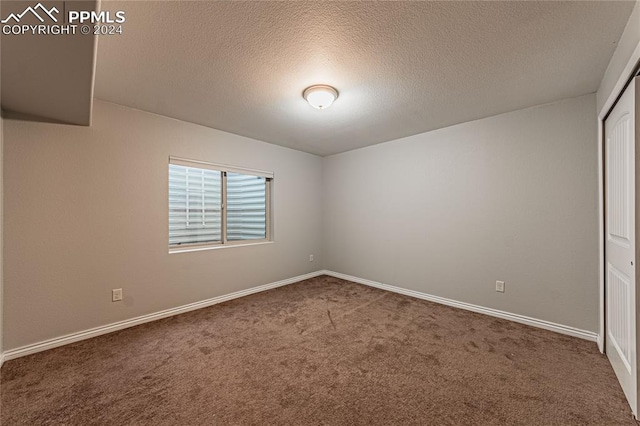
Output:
(621, 242)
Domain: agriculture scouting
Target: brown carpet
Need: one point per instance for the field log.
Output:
(320, 352)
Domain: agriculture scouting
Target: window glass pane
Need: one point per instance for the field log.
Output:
(195, 205)
(246, 207)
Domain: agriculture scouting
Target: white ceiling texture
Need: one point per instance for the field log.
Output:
(401, 68)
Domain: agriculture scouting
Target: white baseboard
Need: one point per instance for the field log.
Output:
(547, 325)
(97, 331)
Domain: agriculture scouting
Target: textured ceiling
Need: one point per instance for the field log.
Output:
(402, 68)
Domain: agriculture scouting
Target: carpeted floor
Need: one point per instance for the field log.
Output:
(320, 352)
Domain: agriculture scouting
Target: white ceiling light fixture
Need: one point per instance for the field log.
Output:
(320, 96)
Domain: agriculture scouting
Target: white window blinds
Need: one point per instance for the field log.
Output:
(246, 207)
(210, 206)
(195, 205)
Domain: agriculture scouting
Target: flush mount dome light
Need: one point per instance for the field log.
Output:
(320, 96)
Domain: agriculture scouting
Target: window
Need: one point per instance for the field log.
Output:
(211, 204)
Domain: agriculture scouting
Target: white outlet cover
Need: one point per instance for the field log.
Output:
(500, 286)
(116, 294)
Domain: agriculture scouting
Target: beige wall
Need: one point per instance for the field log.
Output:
(47, 75)
(512, 197)
(86, 211)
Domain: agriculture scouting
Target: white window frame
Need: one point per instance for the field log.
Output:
(224, 169)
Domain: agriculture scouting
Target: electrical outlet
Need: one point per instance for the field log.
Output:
(310, 258)
(116, 294)
(500, 286)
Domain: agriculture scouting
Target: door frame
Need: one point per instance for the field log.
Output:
(629, 72)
